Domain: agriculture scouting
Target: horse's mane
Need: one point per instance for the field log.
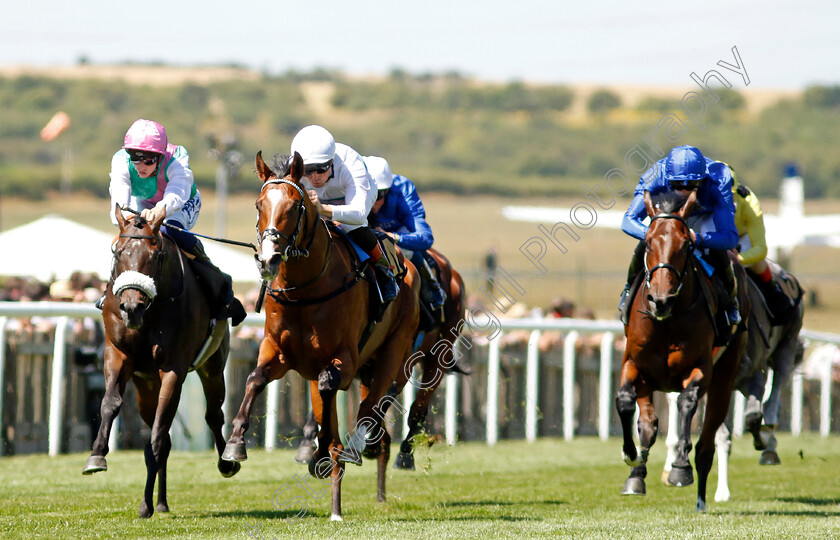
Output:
(281, 165)
(668, 202)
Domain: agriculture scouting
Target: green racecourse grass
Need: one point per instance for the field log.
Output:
(591, 273)
(550, 488)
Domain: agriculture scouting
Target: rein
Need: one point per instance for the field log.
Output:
(292, 250)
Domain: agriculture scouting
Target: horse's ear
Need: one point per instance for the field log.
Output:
(689, 205)
(296, 170)
(155, 225)
(262, 169)
(651, 211)
(121, 221)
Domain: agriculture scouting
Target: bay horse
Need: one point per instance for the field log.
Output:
(435, 351)
(157, 329)
(317, 323)
(670, 348)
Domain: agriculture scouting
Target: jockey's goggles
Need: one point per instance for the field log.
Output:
(317, 168)
(684, 184)
(147, 159)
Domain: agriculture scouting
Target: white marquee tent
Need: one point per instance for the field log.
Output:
(54, 247)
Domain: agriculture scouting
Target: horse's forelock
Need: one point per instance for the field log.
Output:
(668, 202)
(281, 165)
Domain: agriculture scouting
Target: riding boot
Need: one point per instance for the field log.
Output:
(778, 302)
(430, 288)
(219, 287)
(632, 271)
(720, 260)
(384, 274)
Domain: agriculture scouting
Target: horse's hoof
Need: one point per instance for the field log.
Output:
(680, 476)
(722, 494)
(634, 486)
(336, 517)
(404, 461)
(304, 453)
(769, 457)
(701, 505)
(95, 464)
(145, 511)
(228, 468)
(162, 507)
(235, 452)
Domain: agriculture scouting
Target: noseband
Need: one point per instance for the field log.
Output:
(680, 274)
(292, 250)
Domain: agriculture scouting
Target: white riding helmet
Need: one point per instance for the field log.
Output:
(314, 144)
(380, 171)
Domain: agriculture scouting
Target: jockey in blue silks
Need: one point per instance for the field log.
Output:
(713, 230)
(399, 211)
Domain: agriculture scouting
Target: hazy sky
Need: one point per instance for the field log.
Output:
(783, 44)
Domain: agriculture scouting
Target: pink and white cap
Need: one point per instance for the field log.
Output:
(146, 135)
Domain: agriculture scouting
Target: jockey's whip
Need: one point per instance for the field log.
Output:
(177, 228)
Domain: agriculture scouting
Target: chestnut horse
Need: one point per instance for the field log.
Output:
(157, 322)
(436, 353)
(670, 337)
(317, 316)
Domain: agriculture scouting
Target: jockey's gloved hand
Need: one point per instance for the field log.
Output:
(153, 214)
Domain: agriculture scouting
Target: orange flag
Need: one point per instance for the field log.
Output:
(56, 126)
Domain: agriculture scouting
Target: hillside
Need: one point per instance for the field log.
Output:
(445, 131)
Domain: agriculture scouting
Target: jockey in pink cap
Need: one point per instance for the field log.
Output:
(153, 176)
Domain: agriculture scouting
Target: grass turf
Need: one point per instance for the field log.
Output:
(551, 488)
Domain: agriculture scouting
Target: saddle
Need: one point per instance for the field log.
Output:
(782, 294)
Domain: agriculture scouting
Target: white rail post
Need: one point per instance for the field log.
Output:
(796, 396)
(271, 414)
(825, 399)
(605, 385)
(532, 386)
(3, 321)
(493, 391)
(451, 408)
(569, 385)
(56, 385)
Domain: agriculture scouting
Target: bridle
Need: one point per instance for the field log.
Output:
(667, 266)
(292, 250)
(158, 255)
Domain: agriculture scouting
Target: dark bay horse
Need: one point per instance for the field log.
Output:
(670, 337)
(435, 352)
(317, 313)
(157, 328)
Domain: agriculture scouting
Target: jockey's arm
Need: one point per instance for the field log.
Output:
(420, 238)
(753, 217)
(179, 182)
(120, 184)
(632, 222)
(725, 235)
